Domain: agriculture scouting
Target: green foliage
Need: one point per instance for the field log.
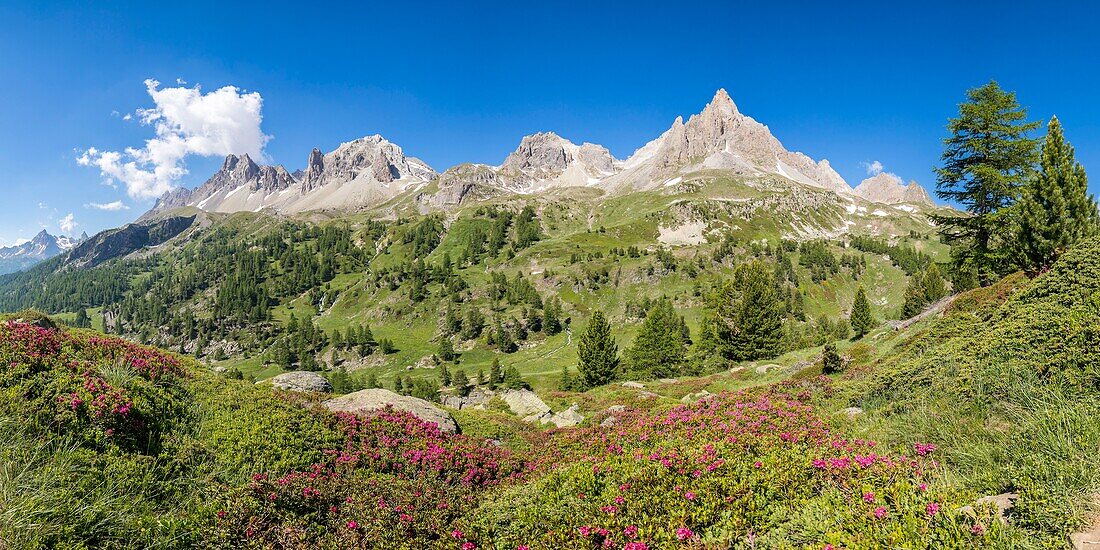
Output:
(986, 159)
(830, 359)
(924, 288)
(749, 319)
(659, 350)
(447, 350)
(1056, 210)
(461, 383)
(598, 355)
(861, 319)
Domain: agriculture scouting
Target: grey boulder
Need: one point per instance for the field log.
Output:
(302, 381)
(370, 400)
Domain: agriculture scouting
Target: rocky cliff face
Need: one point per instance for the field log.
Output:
(722, 138)
(888, 188)
(129, 238)
(546, 160)
(371, 171)
(237, 174)
(372, 158)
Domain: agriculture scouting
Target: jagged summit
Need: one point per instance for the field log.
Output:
(888, 188)
(358, 173)
(721, 137)
(371, 171)
(42, 246)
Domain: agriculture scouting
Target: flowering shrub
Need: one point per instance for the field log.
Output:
(726, 470)
(734, 469)
(62, 377)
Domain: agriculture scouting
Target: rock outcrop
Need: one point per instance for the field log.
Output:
(371, 400)
(129, 238)
(302, 381)
(240, 184)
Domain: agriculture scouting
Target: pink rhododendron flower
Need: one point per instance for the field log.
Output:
(932, 508)
(684, 533)
(880, 512)
(353, 524)
(868, 497)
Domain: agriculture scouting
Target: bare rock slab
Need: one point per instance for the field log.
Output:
(370, 400)
(302, 381)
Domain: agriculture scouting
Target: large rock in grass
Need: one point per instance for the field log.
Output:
(302, 381)
(525, 404)
(370, 400)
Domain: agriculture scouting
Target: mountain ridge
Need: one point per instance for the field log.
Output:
(42, 246)
(370, 171)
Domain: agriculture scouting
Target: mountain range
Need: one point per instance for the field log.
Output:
(372, 171)
(42, 247)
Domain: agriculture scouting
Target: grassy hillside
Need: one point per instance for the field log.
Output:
(996, 395)
(226, 294)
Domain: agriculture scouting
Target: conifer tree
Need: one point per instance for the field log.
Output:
(444, 375)
(830, 359)
(495, 376)
(986, 159)
(935, 287)
(446, 349)
(749, 315)
(1056, 209)
(461, 383)
(513, 380)
(565, 383)
(597, 352)
(915, 297)
(658, 350)
(861, 319)
(551, 317)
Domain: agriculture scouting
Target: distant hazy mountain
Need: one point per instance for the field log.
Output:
(372, 171)
(42, 247)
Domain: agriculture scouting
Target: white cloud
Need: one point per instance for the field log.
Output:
(68, 223)
(873, 168)
(186, 122)
(109, 206)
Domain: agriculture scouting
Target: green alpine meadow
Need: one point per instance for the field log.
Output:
(695, 337)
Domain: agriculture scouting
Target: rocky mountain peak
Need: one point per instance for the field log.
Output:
(722, 103)
(546, 159)
(541, 151)
(42, 238)
(888, 188)
(721, 137)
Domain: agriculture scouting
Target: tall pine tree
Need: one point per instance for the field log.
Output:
(597, 353)
(659, 348)
(986, 159)
(1056, 209)
(749, 321)
(861, 319)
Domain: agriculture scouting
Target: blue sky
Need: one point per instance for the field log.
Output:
(453, 82)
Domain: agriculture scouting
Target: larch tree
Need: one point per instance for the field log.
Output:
(987, 157)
